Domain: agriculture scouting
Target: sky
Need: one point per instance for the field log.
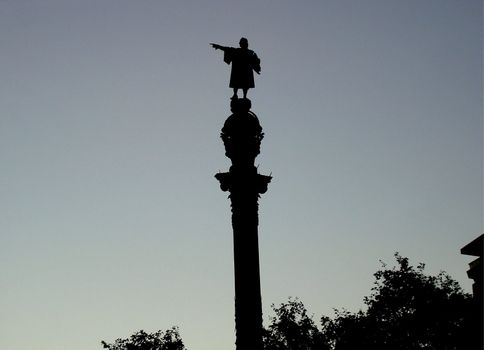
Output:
(111, 219)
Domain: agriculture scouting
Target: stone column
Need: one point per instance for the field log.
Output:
(242, 136)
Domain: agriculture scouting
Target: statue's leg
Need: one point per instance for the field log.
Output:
(245, 92)
(235, 93)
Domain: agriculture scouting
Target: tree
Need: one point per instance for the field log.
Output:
(407, 309)
(292, 329)
(168, 340)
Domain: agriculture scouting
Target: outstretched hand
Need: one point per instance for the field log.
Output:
(216, 46)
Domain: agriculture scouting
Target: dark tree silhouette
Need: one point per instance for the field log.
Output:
(407, 309)
(293, 329)
(168, 340)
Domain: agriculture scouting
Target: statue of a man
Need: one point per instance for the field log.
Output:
(244, 62)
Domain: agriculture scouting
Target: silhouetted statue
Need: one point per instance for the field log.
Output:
(244, 62)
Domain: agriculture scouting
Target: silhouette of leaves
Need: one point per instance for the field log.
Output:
(168, 340)
(293, 329)
(406, 309)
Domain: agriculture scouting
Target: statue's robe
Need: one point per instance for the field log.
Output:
(244, 62)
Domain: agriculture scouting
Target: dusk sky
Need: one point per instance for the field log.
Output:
(111, 220)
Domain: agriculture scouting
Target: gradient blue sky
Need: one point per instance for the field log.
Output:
(110, 113)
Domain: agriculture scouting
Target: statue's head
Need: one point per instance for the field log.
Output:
(244, 43)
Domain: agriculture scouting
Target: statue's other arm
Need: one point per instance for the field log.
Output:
(255, 63)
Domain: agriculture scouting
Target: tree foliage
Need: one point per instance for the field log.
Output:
(168, 340)
(293, 329)
(406, 309)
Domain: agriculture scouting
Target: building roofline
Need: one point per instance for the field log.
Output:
(474, 248)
